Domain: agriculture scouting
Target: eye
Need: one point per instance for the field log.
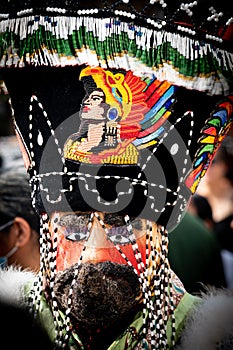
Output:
(118, 239)
(75, 227)
(119, 235)
(77, 236)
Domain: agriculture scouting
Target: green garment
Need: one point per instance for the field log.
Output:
(194, 255)
(186, 304)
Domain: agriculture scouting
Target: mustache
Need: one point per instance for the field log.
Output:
(102, 294)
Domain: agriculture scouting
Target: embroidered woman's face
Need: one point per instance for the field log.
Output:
(94, 106)
(98, 237)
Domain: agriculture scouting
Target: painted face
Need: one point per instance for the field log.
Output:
(98, 237)
(93, 106)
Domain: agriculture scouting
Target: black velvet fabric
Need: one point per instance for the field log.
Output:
(61, 93)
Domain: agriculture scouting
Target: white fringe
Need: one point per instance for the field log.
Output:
(13, 283)
(215, 84)
(211, 323)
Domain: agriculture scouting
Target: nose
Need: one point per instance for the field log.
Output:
(87, 101)
(98, 237)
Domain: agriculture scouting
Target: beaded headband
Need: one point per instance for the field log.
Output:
(207, 20)
(189, 44)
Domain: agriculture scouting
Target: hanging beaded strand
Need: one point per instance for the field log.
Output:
(166, 297)
(74, 280)
(138, 259)
(150, 267)
(148, 306)
(65, 324)
(155, 319)
(46, 249)
(34, 299)
(53, 270)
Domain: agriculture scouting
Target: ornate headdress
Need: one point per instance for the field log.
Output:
(119, 107)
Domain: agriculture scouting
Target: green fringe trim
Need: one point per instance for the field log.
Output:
(110, 43)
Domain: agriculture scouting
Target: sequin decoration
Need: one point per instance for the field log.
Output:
(215, 130)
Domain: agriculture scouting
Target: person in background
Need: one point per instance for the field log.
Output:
(10, 156)
(193, 247)
(19, 223)
(217, 188)
(200, 207)
(220, 197)
(6, 125)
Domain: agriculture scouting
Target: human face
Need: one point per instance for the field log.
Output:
(93, 106)
(98, 237)
(7, 244)
(215, 174)
(5, 238)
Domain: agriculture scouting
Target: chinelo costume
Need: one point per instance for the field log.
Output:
(119, 108)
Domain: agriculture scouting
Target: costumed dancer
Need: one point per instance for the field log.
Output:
(119, 108)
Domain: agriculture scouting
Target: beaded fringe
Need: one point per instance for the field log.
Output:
(111, 43)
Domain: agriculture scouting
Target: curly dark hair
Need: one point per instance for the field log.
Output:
(103, 293)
